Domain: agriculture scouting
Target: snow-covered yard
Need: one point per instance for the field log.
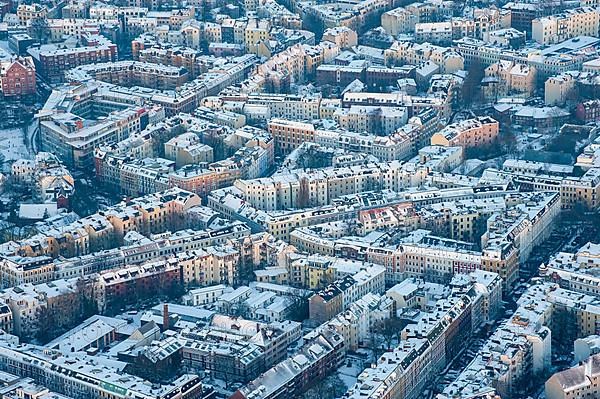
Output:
(12, 147)
(350, 370)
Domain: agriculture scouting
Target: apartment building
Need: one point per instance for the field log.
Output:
(76, 377)
(558, 89)
(132, 73)
(559, 58)
(78, 28)
(343, 37)
(51, 61)
(140, 176)
(147, 49)
(240, 358)
(116, 289)
(137, 251)
(154, 213)
(507, 38)
(187, 149)
(401, 144)
(29, 12)
(74, 10)
(582, 21)
(434, 32)
(349, 328)
(588, 111)
(315, 56)
(337, 296)
(582, 190)
(577, 382)
(588, 158)
(18, 270)
(511, 234)
(403, 19)
(189, 95)
(446, 58)
(508, 78)
(371, 119)
(478, 132)
(212, 265)
(522, 14)
(67, 136)
(359, 319)
(543, 118)
(426, 348)
(286, 106)
(319, 187)
(399, 20)
(353, 15)
(17, 77)
(339, 75)
(520, 348)
(574, 271)
(286, 225)
(29, 304)
(75, 133)
(419, 255)
(289, 135)
(49, 179)
(317, 357)
(151, 214)
(524, 167)
(257, 31)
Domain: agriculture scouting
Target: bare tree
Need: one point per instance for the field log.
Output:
(319, 390)
(471, 85)
(315, 25)
(47, 325)
(331, 387)
(508, 139)
(564, 331)
(239, 309)
(376, 342)
(389, 329)
(303, 198)
(299, 308)
(39, 29)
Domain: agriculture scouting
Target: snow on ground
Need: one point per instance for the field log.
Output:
(12, 147)
(5, 52)
(349, 371)
(32, 131)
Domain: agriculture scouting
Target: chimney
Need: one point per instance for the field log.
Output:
(165, 317)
